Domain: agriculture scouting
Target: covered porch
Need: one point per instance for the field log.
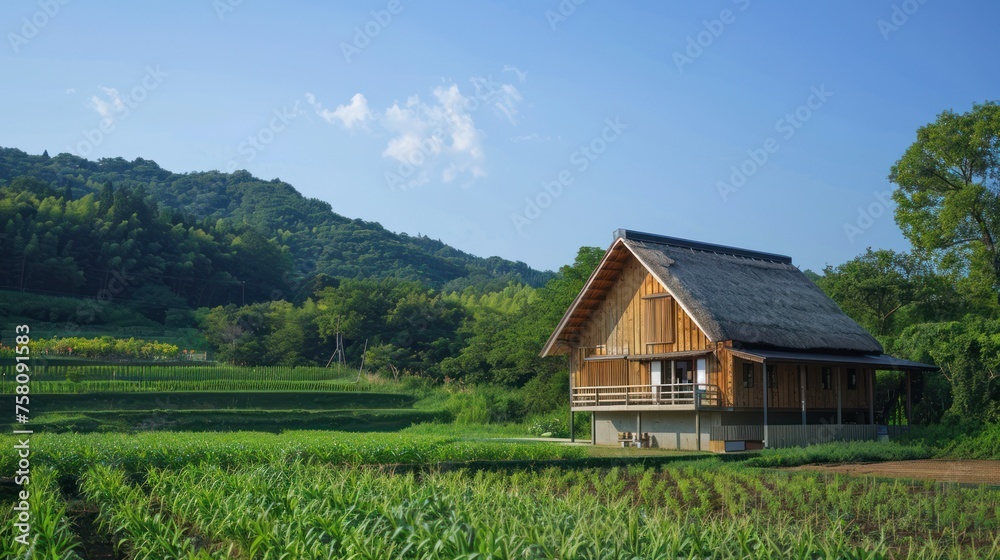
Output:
(774, 428)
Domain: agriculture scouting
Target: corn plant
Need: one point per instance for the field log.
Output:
(128, 513)
(50, 537)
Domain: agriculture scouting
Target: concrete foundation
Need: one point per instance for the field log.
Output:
(667, 430)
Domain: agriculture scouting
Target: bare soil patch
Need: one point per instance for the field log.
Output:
(941, 470)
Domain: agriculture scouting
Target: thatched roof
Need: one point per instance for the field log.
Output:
(749, 297)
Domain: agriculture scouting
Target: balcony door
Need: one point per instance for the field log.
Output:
(656, 373)
(682, 372)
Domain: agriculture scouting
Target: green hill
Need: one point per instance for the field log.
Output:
(69, 225)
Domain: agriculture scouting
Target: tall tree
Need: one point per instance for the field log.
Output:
(949, 188)
(107, 197)
(879, 287)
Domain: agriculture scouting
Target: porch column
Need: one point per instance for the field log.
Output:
(909, 402)
(763, 364)
(871, 396)
(697, 427)
(839, 399)
(569, 368)
(803, 372)
(673, 382)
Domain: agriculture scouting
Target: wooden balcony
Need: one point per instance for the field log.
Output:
(678, 396)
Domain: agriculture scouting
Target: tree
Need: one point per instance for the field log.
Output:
(501, 343)
(968, 353)
(107, 197)
(879, 287)
(949, 195)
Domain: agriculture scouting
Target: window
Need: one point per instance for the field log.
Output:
(772, 376)
(658, 318)
(747, 375)
(827, 378)
(852, 379)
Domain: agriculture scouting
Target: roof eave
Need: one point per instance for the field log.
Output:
(553, 340)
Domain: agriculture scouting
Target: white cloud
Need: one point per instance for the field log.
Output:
(413, 148)
(357, 113)
(521, 76)
(506, 102)
(70, 91)
(111, 108)
(428, 135)
(431, 138)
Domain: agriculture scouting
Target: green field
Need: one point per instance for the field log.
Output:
(311, 495)
(84, 370)
(320, 467)
(210, 400)
(199, 397)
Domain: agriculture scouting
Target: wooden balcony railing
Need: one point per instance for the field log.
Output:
(690, 394)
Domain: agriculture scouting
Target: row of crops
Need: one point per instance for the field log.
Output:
(122, 378)
(72, 453)
(145, 386)
(143, 372)
(307, 509)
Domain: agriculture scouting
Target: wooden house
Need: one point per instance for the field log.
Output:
(702, 346)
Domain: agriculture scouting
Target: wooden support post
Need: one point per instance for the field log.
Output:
(840, 402)
(763, 364)
(638, 426)
(803, 372)
(871, 396)
(909, 397)
(697, 428)
(569, 368)
(673, 382)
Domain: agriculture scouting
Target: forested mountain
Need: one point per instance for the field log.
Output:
(69, 225)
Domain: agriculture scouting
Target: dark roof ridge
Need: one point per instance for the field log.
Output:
(700, 246)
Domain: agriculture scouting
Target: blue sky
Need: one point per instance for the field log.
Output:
(519, 129)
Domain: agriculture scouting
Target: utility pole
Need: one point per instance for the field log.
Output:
(363, 354)
(338, 352)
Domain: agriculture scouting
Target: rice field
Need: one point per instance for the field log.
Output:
(306, 495)
(233, 385)
(72, 453)
(143, 372)
(135, 378)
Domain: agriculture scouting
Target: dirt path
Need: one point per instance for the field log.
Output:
(967, 472)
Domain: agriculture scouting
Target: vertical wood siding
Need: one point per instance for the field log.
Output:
(787, 393)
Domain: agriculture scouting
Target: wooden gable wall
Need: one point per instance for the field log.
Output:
(616, 328)
(617, 324)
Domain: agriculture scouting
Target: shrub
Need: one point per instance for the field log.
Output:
(485, 405)
(839, 452)
(557, 426)
(985, 444)
(546, 392)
